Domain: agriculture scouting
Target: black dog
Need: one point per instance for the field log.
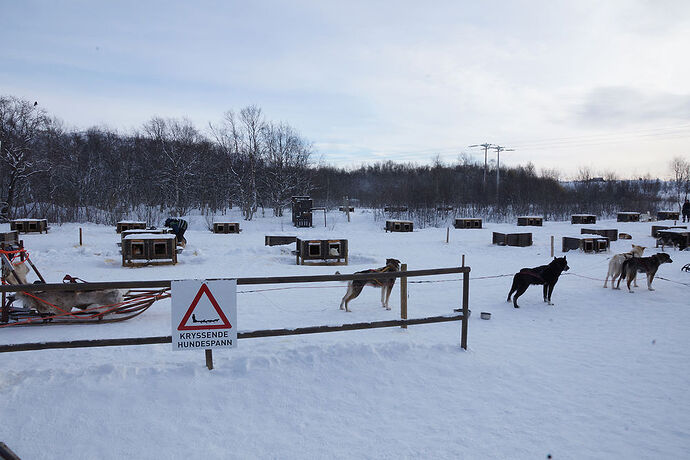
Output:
(648, 265)
(544, 274)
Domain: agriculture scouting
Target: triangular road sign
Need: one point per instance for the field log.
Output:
(204, 290)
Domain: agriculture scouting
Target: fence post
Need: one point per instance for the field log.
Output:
(465, 307)
(403, 295)
(5, 314)
(80, 238)
(551, 245)
(347, 207)
(447, 234)
(209, 359)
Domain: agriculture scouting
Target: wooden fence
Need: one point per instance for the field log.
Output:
(462, 315)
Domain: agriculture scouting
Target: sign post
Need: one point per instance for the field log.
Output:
(204, 315)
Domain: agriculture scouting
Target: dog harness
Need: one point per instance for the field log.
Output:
(378, 282)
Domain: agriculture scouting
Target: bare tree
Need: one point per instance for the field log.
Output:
(681, 179)
(175, 142)
(241, 140)
(287, 159)
(21, 122)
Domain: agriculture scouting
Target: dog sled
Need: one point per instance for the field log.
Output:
(40, 307)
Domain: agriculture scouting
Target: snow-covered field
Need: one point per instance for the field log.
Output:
(601, 374)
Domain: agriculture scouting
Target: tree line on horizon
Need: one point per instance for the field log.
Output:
(170, 167)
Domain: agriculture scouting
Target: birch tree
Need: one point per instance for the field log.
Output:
(21, 122)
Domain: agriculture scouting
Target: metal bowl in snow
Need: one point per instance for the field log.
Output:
(485, 315)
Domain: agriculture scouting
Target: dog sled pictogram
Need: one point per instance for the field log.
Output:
(67, 306)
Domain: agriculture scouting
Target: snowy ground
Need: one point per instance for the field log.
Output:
(602, 374)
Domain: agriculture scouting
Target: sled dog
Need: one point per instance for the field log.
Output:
(354, 287)
(648, 265)
(616, 263)
(544, 274)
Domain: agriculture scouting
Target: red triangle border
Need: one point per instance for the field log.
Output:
(204, 290)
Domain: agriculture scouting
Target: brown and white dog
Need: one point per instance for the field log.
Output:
(354, 287)
(616, 263)
(648, 265)
(60, 302)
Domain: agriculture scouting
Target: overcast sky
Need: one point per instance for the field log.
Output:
(573, 84)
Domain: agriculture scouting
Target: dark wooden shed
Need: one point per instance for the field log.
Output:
(512, 239)
(29, 225)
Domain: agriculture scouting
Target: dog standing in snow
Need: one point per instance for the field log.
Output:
(616, 264)
(354, 287)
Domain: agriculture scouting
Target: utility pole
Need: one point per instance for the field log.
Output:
(499, 149)
(486, 146)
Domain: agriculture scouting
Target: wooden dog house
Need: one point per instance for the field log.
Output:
(667, 215)
(226, 227)
(148, 248)
(583, 219)
(29, 225)
(9, 238)
(395, 209)
(534, 221)
(676, 237)
(628, 216)
(327, 252)
(301, 211)
(656, 228)
(467, 223)
(278, 240)
(585, 243)
(129, 225)
(512, 239)
(399, 226)
(610, 233)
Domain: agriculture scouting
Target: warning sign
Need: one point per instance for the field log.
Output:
(204, 314)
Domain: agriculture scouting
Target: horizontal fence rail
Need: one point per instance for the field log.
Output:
(240, 335)
(240, 281)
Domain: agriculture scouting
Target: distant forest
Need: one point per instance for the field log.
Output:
(169, 167)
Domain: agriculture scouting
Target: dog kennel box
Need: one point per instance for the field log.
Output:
(628, 216)
(667, 215)
(344, 208)
(467, 223)
(129, 225)
(395, 209)
(591, 244)
(512, 239)
(327, 252)
(656, 228)
(534, 221)
(278, 240)
(9, 238)
(676, 237)
(399, 226)
(610, 233)
(226, 227)
(147, 231)
(583, 219)
(144, 249)
(301, 211)
(29, 225)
